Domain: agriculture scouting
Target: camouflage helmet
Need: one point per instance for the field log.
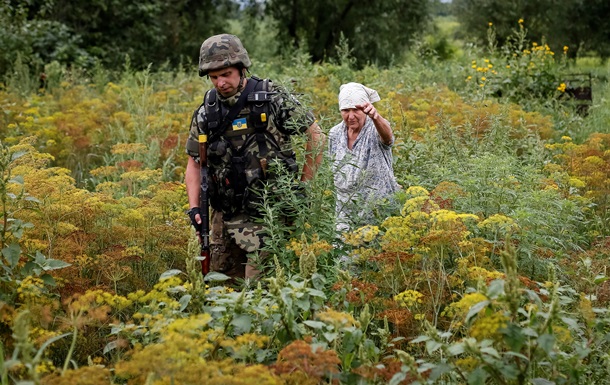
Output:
(222, 51)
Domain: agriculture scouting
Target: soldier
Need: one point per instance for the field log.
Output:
(248, 122)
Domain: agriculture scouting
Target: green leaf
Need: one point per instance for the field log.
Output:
(303, 303)
(474, 310)
(17, 155)
(571, 322)
(420, 339)
(541, 381)
(330, 337)
(17, 179)
(491, 351)
(439, 370)
(398, 378)
(214, 276)
(184, 301)
(54, 264)
(432, 346)
(529, 332)
(515, 354)
(169, 273)
(48, 280)
(110, 346)
(12, 253)
(514, 337)
(546, 342)
(496, 288)
(242, 323)
(316, 293)
(315, 324)
(600, 279)
(477, 377)
(456, 349)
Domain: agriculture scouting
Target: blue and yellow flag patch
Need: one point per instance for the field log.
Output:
(240, 124)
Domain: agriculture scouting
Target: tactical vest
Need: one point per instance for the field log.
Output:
(245, 153)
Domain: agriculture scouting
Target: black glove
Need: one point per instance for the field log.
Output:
(191, 213)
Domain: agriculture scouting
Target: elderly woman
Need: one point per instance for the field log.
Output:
(361, 151)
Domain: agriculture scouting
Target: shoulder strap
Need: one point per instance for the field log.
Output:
(217, 124)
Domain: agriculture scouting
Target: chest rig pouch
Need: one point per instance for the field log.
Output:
(243, 154)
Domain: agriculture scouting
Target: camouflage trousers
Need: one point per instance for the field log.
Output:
(230, 243)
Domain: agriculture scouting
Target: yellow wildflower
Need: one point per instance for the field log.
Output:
(488, 326)
(409, 298)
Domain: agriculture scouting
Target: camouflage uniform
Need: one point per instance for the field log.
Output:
(234, 233)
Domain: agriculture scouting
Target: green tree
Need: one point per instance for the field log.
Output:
(149, 31)
(78, 32)
(578, 24)
(377, 31)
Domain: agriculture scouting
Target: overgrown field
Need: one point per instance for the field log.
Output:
(492, 270)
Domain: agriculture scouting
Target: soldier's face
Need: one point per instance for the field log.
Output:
(226, 80)
(354, 118)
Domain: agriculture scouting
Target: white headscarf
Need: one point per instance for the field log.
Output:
(351, 94)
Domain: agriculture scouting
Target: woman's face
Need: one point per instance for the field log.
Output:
(353, 118)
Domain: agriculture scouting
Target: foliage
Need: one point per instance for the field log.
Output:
(515, 334)
(521, 70)
(377, 33)
(492, 270)
(19, 269)
(547, 20)
(81, 33)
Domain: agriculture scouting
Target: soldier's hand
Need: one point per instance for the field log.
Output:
(195, 216)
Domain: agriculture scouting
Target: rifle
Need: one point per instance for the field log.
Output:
(204, 235)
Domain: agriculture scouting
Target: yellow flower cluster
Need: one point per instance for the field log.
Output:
(247, 342)
(161, 293)
(409, 298)
(460, 308)
(41, 335)
(31, 289)
(467, 363)
(499, 222)
(563, 335)
(445, 218)
(192, 325)
(399, 239)
(304, 247)
(361, 235)
(417, 191)
(416, 204)
(540, 49)
(338, 319)
(45, 366)
(93, 298)
(128, 148)
(142, 175)
(488, 326)
(476, 273)
(362, 254)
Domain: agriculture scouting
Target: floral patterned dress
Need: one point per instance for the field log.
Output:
(363, 175)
